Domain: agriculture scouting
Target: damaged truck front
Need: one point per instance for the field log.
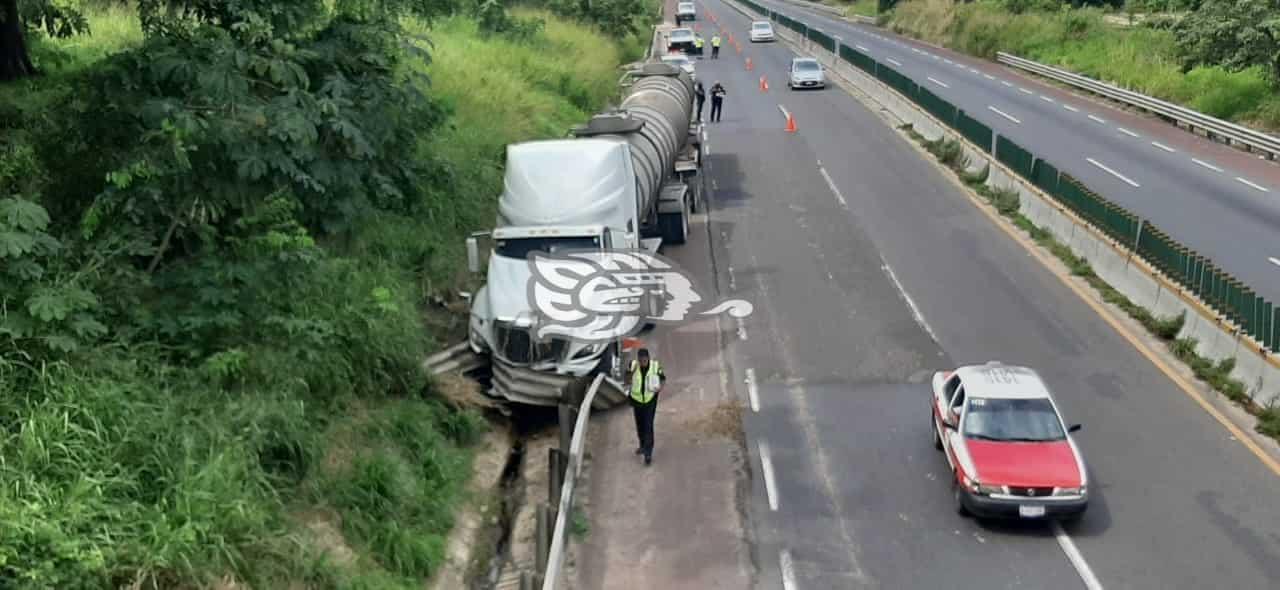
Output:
(629, 179)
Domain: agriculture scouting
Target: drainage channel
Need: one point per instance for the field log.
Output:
(525, 421)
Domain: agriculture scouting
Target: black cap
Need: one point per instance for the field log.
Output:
(644, 353)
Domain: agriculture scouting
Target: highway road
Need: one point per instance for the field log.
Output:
(1220, 202)
(869, 270)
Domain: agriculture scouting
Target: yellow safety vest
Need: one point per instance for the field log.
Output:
(698, 42)
(715, 41)
(643, 396)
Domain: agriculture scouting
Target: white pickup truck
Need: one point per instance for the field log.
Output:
(685, 12)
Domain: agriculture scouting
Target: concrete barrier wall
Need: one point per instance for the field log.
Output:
(1216, 339)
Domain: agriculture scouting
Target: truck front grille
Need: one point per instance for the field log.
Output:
(517, 346)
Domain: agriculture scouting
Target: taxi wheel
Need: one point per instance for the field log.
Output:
(955, 491)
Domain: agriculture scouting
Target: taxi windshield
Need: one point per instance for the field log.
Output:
(1013, 420)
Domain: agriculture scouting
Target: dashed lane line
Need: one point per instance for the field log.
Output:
(1104, 167)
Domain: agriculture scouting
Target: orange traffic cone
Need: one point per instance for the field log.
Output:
(764, 84)
(791, 123)
(748, 64)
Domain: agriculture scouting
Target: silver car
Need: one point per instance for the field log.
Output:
(761, 30)
(806, 72)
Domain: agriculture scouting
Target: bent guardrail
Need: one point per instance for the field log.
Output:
(1254, 140)
(1236, 304)
(566, 468)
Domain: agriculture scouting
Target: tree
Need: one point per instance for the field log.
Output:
(1234, 34)
(17, 18)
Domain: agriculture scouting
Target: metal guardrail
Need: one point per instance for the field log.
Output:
(572, 470)
(1254, 140)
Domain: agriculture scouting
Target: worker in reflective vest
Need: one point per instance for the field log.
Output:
(646, 382)
(697, 43)
(715, 47)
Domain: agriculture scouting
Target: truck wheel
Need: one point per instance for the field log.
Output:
(674, 227)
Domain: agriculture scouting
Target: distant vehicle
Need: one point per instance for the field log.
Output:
(681, 61)
(806, 72)
(761, 30)
(1010, 454)
(685, 12)
(683, 40)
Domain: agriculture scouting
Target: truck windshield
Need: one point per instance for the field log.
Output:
(521, 247)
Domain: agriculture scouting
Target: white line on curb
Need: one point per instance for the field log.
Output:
(1097, 119)
(1163, 147)
(942, 84)
(1206, 165)
(1113, 173)
(1077, 560)
(1004, 114)
(915, 311)
(1127, 132)
(893, 61)
(1045, 98)
(1246, 182)
(788, 570)
(832, 185)
(1070, 108)
(769, 486)
(752, 390)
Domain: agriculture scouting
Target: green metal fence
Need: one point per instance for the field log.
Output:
(1222, 292)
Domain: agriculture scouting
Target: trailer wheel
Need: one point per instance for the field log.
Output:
(674, 226)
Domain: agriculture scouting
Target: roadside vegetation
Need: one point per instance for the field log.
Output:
(229, 233)
(950, 153)
(851, 7)
(1220, 58)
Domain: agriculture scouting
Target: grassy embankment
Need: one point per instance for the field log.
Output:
(1140, 58)
(258, 466)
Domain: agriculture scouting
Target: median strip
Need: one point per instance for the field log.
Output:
(1113, 172)
(1004, 114)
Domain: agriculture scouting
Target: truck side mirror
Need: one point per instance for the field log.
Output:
(473, 254)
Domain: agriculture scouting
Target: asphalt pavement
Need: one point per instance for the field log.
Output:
(1218, 201)
(869, 270)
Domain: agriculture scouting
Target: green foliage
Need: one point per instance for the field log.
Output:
(55, 18)
(1205, 63)
(1235, 34)
(617, 19)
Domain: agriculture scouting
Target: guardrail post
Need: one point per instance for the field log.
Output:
(526, 581)
(555, 470)
(543, 536)
(566, 424)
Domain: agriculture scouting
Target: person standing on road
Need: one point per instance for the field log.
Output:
(697, 43)
(715, 46)
(717, 101)
(700, 94)
(646, 382)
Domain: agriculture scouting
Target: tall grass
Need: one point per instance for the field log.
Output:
(130, 471)
(1142, 59)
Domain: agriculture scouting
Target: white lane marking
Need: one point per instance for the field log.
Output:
(942, 84)
(893, 61)
(1077, 560)
(1274, 261)
(788, 570)
(783, 109)
(1025, 91)
(706, 149)
(1045, 98)
(1206, 165)
(1006, 83)
(934, 56)
(915, 311)
(862, 49)
(948, 61)
(1163, 147)
(770, 488)
(752, 392)
(1113, 172)
(974, 71)
(832, 185)
(1127, 132)
(704, 136)
(1098, 119)
(1070, 108)
(1004, 114)
(1246, 182)
(742, 330)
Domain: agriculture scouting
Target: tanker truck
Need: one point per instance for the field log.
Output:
(627, 179)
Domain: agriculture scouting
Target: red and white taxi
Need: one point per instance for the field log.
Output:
(1010, 453)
